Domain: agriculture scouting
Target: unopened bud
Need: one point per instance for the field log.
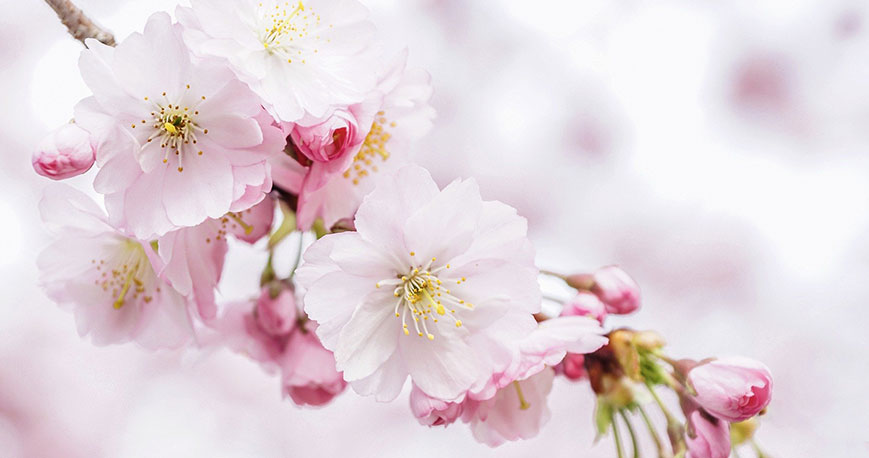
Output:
(64, 153)
(276, 309)
(617, 290)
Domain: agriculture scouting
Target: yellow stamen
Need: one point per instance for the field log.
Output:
(523, 405)
(247, 227)
(119, 302)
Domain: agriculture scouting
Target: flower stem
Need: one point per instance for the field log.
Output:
(79, 25)
(618, 440)
(288, 225)
(757, 449)
(675, 430)
(631, 431)
(298, 254)
(652, 431)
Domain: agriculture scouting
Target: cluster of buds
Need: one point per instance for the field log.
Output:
(720, 399)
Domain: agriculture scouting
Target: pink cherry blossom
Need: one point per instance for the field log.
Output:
(107, 279)
(178, 140)
(308, 372)
(546, 345)
(192, 259)
(617, 290)
(517, 411)
(300, 57)
(427, 273)
(433, 412)
(707, 437)
(389, 120)
(64, 153)
(733, 389)
(585, 304)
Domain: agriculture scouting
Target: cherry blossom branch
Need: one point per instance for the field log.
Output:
(79, 25)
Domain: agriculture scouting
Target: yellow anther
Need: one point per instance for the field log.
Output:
(170, 128)
(458, 323)
(430, 336)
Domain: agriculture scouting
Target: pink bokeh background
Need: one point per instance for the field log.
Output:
(718, 151)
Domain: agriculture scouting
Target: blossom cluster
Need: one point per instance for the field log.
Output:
(254, 120)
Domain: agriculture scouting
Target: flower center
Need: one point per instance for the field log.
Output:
(125, 275)
(423, 294)
(284, 28)
(373, 150)
(175, 127)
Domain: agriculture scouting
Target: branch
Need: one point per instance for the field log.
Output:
(79, 25)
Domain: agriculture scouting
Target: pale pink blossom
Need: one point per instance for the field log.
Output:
(107, 279)
(308, 373)
(431, 411)
(617, 290)
(585, 304)
(517, 411)
(252, 224)
(547, 344)
(276, 312)
(64, 153)
(707, 436)
(389, 120)
(733, 389)
(414, 290)
(299, 57)
(192, 260)
(178, 140)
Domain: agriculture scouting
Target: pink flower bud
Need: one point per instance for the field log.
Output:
(617, 290)
(707, 437)
(433, 412)
(329, 140)
(276, 315)
(64, 153)
(308, 373)
(572, 367)
(585, 304)
(733, 389)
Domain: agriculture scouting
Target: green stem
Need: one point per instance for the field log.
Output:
(618, 439)
(268, 273)
(298, 254)
(757, 449)
(675, 430)
(652, 431)
(288, 225)
(660, 403)
(633, 434)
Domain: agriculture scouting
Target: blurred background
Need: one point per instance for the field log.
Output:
(718, 151)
